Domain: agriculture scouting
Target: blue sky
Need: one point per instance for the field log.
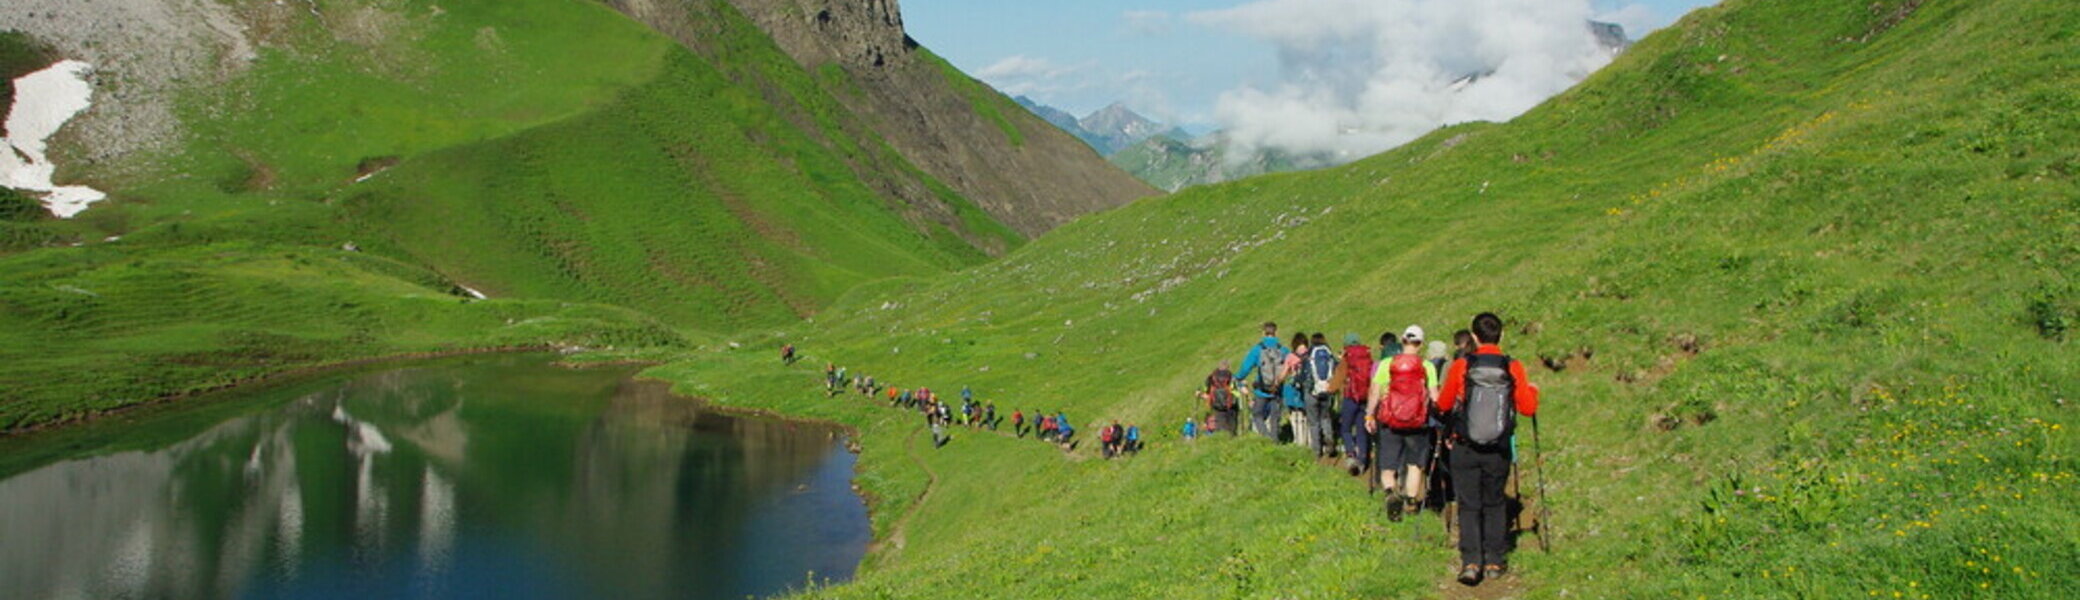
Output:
(1160, 56)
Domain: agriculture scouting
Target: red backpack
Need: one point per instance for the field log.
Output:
(1357, 369)
(1406, 405)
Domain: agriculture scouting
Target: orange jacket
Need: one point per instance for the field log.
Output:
(1525, 394)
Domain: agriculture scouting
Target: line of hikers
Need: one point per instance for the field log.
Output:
(1400, 412)
(940, 414)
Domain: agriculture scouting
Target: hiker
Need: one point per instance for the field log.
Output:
(1133, 444)
(1324, 382)
(1220, 398)
(939, 436)
(1109, 440)
(1047, 427)
(1064, 434)
(787, 354)
(1018, 422)
(989, 415)
(1357, 390)
(1294, 373)
(1487, 390)
(1191, 428)
(1265, 361)
(1401, 399)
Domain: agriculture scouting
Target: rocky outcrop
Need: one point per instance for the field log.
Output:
(143, 51)
(1021, 170)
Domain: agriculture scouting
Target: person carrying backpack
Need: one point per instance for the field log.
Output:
(1486, 390)
(1108, 440)
(1400, 410)
(1324, 382)
(1262, 368)
(1220, 398)
(1295, 373)
(1133, 444)
(1357, 390)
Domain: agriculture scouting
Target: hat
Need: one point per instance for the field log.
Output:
(1350, 339)
(1414, 333)
(1437, 349)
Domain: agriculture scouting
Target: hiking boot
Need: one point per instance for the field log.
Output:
(1495, 571)
(1470, 574)
(1393, 507)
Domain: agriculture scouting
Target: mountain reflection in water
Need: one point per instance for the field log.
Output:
(501, 477)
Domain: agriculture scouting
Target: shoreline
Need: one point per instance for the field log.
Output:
(260, 381)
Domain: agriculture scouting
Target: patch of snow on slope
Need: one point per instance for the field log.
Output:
(43, 102)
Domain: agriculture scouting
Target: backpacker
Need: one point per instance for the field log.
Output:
(1405, 405)
(1357, 368)
(1321, 368)
(1270, 360)
(1220, 392)
(1490, 410)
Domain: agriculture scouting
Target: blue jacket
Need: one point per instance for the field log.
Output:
(1061, 423)
(1134, 433)
(1250, 365)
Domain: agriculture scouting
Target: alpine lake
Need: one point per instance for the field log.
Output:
(494, 476)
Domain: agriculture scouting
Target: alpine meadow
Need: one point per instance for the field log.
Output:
(1795, 278)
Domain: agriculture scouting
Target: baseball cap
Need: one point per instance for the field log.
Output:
(1414, 333)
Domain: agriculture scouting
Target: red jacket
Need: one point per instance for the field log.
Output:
(1454, 387)
(1357, 372)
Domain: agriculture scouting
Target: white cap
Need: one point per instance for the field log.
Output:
(1414, 333)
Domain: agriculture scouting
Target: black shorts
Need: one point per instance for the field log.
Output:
(1398, 449)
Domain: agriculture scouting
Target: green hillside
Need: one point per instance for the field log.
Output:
(338, 196)
(1803, 272)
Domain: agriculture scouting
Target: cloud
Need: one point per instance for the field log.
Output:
(1148, 22)
(1361, 76)
(1022, 66)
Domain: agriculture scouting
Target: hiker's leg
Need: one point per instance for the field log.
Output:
(1325, 427)
(1389, 460)
(1466, 486)
(1419, 447)
(1494, 474)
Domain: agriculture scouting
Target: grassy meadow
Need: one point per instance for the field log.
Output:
(603, 185)
(1797, 279)
(1802, 272)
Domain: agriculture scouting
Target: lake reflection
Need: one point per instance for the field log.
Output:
(502, 477)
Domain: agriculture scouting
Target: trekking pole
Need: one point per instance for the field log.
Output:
(1538, 464)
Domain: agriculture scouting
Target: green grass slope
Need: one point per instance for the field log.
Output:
(1804, 270)
(604, 184)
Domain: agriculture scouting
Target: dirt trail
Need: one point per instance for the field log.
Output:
(1511, 586)
(897, 534)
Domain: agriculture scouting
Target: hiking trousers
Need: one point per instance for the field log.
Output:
(1322, 413)
(1478, 477)
(1266, 418)
(1229, 421)
(1353, 424)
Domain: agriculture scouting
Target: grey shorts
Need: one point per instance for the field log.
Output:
(1398, 449)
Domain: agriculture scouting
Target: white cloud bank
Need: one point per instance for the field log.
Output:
(1362, 76)
(1025, 75)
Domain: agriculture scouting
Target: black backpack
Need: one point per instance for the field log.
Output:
(1488, 411)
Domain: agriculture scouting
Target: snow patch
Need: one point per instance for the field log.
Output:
(43, 102)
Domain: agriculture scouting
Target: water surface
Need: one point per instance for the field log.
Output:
(499, 477)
